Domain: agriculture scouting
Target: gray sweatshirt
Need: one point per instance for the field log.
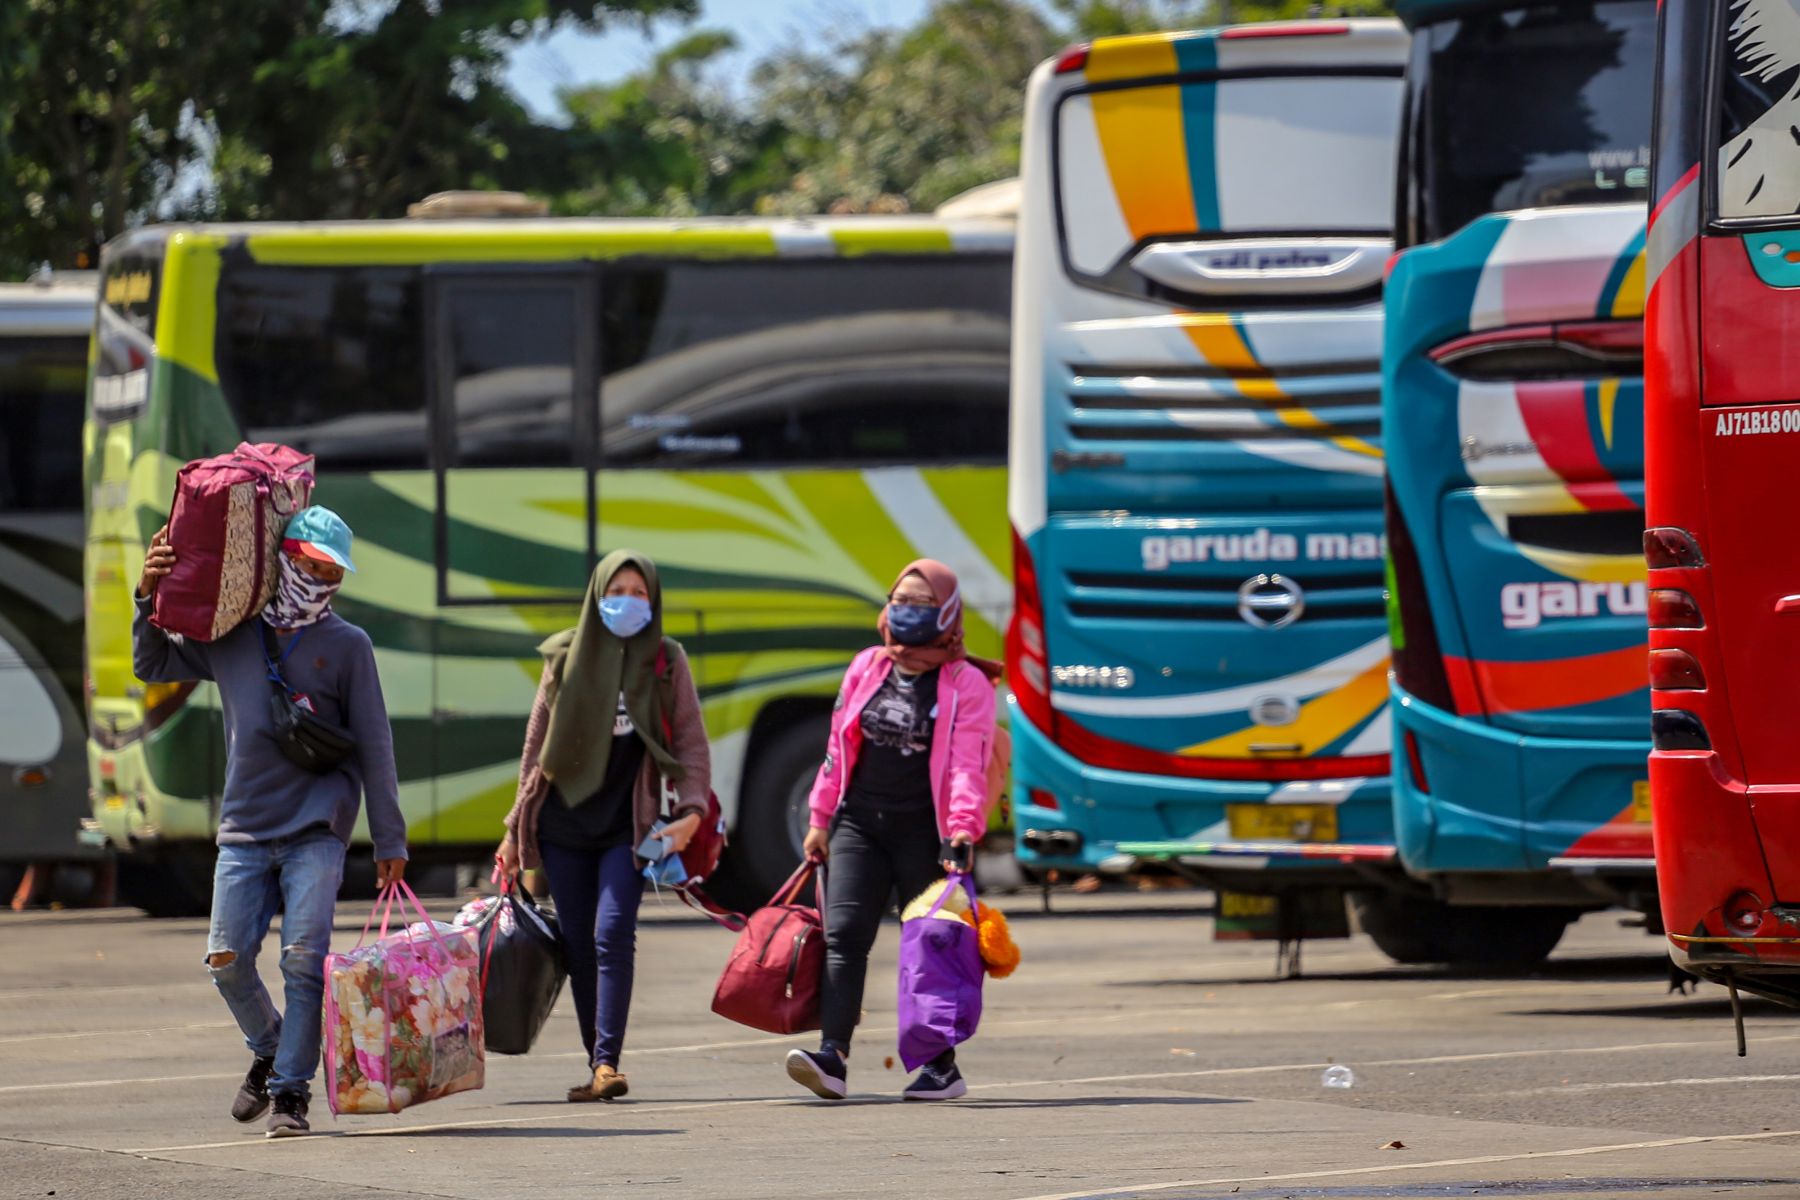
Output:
(266, 796)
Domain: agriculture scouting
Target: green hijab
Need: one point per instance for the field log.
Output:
(591, 666)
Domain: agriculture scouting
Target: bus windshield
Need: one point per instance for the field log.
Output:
(1537, 107)
(1306, 153)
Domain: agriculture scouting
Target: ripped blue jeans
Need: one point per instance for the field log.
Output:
(297, 876)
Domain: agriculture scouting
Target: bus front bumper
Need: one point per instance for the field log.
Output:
(131, 812)
(1110, 821)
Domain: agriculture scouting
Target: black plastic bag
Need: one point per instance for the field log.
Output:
(522, 969)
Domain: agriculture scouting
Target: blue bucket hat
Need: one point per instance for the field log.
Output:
(320, 534)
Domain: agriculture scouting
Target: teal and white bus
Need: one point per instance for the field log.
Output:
(1199, 650)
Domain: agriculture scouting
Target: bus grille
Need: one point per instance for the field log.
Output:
(1094, 595)
(1172, 404)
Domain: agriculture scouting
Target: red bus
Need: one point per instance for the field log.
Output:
(1722, 432)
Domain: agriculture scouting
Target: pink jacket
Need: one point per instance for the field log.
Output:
(960, 743)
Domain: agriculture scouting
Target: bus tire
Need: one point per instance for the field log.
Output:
(772, 810)
(176, 883)
(1414, 930)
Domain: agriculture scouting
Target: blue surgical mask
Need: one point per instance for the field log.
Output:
(914, 624)
(626, 616)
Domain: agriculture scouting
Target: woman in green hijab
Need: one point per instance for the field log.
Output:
(616, 723)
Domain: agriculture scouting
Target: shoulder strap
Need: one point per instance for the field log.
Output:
(665, 689)
(271, 654)
(695, 897)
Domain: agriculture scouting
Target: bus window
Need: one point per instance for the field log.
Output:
(782, 364)
(1580, 134)
(125, 333)
(1278, 154)
(510, 438)
(41, 385)
(326, 360)
(512, 361)
(1758, 173)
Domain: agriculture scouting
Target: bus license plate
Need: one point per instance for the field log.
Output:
(1640, 801)
(1282, 822)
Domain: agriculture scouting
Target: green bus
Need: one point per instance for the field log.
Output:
(781, 412)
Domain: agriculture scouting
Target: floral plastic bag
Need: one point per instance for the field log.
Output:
(403, 1014)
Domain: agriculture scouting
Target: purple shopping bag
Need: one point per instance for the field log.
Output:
(940, 981)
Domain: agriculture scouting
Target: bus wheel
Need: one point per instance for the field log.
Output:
(772, 810)
(1415, 930)
(176, 883)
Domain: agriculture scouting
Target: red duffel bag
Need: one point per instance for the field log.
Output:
(773, 978)
(226, 527)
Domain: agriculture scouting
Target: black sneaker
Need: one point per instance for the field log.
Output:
(937, 1083)
(289, 1119)
(252, 1099)
(819, 1071)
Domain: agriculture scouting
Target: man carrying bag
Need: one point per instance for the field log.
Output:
(307, 736)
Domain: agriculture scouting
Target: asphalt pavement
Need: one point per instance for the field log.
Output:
(1129, 1056)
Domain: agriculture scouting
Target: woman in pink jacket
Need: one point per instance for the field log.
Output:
(901, 798)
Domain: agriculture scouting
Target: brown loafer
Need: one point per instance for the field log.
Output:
(607, 1084)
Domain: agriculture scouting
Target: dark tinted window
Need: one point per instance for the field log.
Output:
(512, 356)
(1535, 107)
(327, 360)
(805, 362)
(125, 332)
(42, 381)
(131, 285)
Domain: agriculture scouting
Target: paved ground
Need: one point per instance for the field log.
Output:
(1129, 1056)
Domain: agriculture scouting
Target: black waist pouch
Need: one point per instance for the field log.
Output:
(306, 739)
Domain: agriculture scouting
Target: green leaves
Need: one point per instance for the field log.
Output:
(137, 110)
(117, 112)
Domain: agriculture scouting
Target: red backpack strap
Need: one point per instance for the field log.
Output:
(696, 898)
(665, 679)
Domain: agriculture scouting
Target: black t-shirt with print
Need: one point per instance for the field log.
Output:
(894, 769)
(605, 820)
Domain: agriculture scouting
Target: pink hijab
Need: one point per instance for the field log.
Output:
(949, 647)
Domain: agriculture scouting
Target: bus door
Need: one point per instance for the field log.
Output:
(512, 372)
(1747, 438)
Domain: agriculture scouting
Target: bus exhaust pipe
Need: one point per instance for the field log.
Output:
(1055, 842)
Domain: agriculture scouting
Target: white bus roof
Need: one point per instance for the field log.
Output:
(61, 306)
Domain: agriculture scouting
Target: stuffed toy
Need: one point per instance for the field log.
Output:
(998, 951)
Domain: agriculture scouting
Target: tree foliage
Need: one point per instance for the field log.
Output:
(133, 109)
(113, 112)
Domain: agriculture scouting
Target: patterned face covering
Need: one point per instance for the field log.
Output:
(300, 600)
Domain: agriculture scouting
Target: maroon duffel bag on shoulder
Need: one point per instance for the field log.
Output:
(226, 526)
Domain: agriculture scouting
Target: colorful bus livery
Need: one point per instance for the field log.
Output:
(1512, 400)
(781, 412)
(1199, 648)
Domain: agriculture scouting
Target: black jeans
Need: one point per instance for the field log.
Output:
(873, 851)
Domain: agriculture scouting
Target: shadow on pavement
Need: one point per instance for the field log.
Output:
(1651, 968)
(1673, 1007)
(541, 1131)
(1098, 1102)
